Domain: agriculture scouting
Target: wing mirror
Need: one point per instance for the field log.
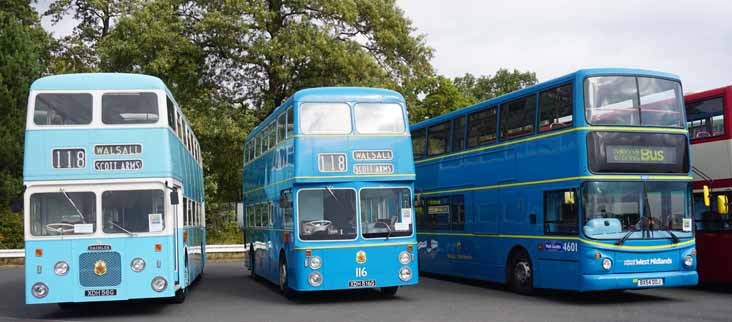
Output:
(722, 205)
(706, 196)
(174, 197)
(569, 197)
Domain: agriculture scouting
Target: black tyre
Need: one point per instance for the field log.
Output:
(388, 291)
(521, 273)
(180, 295)
(285, 289)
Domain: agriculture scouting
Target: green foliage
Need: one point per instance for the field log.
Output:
(441, 97)
(486, 87)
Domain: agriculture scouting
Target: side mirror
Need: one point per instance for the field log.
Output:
(286, 198)
(174, 197)
(16, 205)
(706, 196)
(722, 205)
(569, 197)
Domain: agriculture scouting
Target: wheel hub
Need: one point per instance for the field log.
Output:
(522, 272)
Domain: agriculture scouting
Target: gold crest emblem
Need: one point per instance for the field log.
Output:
(361, 257)
(100, 267)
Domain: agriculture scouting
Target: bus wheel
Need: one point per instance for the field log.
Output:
(180, 295)
(521, 274)
(388, 291)
(284, 287)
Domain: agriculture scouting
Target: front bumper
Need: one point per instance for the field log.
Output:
(602, 282)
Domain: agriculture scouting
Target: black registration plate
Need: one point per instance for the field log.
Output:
(107, 292)
(367, 283)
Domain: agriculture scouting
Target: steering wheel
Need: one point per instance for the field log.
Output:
(320, 224)
(60, 228)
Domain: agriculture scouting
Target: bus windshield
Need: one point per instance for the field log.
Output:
(386, 212)
(644, 210)
(129, 108)
(630, 100)
(374, 118)
(133, 211)
(62, 213)
(325, 118)
(327, 214)
(63, 109)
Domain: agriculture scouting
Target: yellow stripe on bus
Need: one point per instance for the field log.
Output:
(356, 246)
(688, 242)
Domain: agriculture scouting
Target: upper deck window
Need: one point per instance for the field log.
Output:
(325, 118)
(375, 118)
(418, 143)
(129, 108)
(171, 113)
(482, 127)
(63, 109)
(630, 100)
(555, 108)
(705, 118)
(438, 139)
(517, 117)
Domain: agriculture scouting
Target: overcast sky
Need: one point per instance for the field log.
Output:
(692, 39)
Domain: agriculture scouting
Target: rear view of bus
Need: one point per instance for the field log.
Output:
(328, 190)
(114, 191)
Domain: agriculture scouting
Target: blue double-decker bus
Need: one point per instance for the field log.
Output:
(578, 183)
(328, 187)
(114, 206)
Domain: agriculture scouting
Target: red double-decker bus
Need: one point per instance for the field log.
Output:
(709, 115)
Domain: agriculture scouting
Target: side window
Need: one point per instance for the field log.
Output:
(262, 141)
(180, 127)
(458, 134)
(272, 135)
(555, 108)
(438, 213)
(560, 212)
(250, 216)
(290, 122)
(281, 127)
(705, 118)
(171, 113)
(185, 211)
(422, 222)
(258, 215)
(457, 210)
(517, 117)
(255, 151)
(482, 127)
(438, 137)
(418, 143)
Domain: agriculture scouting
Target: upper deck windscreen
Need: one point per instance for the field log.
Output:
(336, 118)
(375, 118)
(325, 118)
(129, 108)
(63, 109)
(632, 100)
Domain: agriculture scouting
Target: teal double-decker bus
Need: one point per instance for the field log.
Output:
(113, 202)
(328, 186)
(579, 183)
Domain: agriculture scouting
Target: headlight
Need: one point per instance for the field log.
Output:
(405, 274)
(689, 260)
(158, 284)
(315, 262)
(61, 268)
(137, 264)
(405, 257)
(39, 290)
(607, 264)
(315, 279)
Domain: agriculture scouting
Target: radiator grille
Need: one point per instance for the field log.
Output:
(87, 276)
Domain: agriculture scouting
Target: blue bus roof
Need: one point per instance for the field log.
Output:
(333, 94)
(580, 74)
(99, 81)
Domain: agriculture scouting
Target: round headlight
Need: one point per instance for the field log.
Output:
(159, 283)
(39, 290)
(315, 279)
(405, 257)
(315, 262)
(61, 268)
(137, 264)
(689, 260)
(607, 264)
(405, 274)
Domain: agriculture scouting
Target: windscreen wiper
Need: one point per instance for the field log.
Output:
(83, 220)
(673, 236)
(622, 240)
(122, 229)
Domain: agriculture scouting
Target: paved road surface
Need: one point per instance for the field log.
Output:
(227, 293)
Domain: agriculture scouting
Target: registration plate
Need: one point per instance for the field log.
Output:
(367, 283)
(650, 282)
(107, 292)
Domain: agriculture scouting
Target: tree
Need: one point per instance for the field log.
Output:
(486, 87)
(23, 54)
(441, 97)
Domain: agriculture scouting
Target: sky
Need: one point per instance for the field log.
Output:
(692, 39)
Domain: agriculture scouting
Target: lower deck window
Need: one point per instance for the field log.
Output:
(560, 212)
(133, 211)
(327, 214)
(386, 212)
(62, 213)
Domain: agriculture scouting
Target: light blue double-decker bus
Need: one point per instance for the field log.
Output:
(114, 203)
(578, 183)
(328, 187)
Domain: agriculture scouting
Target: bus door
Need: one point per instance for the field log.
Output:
(558, 252)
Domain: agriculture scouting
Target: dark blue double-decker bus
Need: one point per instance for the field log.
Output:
(579, 183)
(328, 186)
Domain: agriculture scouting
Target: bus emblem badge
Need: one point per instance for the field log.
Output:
(100, 268)
(361, 257)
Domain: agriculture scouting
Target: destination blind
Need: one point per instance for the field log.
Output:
(627, 152)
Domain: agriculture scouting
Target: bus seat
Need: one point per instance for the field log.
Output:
(701, 134)
(601, 226)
